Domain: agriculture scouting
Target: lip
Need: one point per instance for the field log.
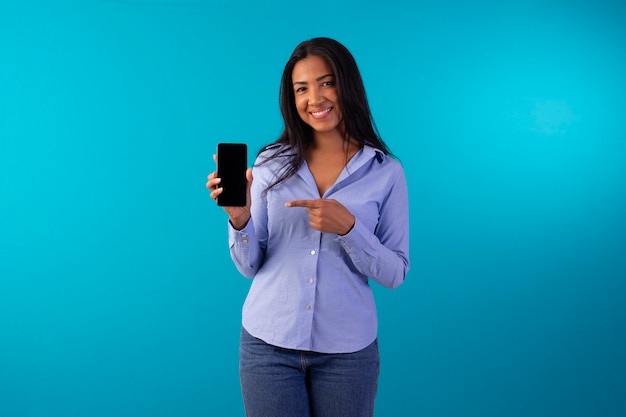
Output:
(321, 114)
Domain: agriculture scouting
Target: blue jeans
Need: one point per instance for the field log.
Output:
(277, 382)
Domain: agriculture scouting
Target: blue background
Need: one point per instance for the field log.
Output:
(117, 295)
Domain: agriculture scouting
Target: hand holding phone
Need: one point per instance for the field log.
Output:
(232, 163)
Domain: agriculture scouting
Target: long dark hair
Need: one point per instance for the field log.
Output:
(357, 118)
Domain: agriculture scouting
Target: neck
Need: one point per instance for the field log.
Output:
(332, 142)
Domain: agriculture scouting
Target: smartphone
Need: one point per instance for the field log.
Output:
(232, 163)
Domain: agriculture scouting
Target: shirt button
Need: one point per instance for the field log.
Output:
(312, 252)
(308, 307)
(310, 280)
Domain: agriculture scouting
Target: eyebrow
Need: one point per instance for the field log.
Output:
(317, 79)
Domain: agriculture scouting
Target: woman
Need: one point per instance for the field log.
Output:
(326, 212)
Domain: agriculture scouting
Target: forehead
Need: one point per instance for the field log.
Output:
(312, 66)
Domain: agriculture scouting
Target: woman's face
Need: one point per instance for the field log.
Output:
(316, 96)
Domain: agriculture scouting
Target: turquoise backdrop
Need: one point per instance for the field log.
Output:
(117, 294)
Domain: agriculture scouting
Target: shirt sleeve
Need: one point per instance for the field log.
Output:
(244, 249)
(247, 246)
(383, 255)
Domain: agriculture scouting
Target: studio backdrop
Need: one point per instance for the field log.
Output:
(117, 293)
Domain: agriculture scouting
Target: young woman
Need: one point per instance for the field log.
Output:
(327, 212)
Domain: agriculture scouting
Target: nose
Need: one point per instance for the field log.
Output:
(315, 97)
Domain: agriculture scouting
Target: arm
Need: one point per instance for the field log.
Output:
(383, 255)
(247, 244)
(245, 249)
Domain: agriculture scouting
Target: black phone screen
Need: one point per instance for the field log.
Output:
(232, 162)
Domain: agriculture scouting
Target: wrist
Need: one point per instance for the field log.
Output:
(350, 227)
(239, 222)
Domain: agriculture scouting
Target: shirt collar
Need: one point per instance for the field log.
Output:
(365, 154)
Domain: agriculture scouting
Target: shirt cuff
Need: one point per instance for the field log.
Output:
(356, 239)
(240, 237)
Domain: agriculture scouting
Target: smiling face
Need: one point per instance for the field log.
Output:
(316, 97)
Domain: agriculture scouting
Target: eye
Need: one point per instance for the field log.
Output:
(300, 89)
(328, 83)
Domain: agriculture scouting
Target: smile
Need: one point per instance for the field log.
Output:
(321, 114)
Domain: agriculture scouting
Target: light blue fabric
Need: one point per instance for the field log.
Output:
(311, 289)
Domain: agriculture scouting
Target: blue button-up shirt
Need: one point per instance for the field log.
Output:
(311, 289)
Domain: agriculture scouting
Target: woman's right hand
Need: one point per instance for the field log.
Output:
(238, 216)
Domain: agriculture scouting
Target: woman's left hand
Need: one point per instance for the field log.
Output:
(326, 215)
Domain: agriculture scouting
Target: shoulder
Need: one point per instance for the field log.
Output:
(384, 161)
(274, 151)
(271, 161)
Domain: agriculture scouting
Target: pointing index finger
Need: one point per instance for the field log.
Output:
(299, 203)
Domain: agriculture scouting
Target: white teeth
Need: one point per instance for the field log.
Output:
(320, 113)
